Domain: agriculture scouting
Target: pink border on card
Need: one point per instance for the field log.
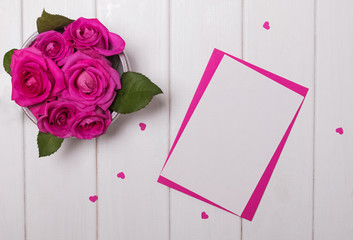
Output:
(216, 57)
(176, 186)
(250, 209)
(205, 80)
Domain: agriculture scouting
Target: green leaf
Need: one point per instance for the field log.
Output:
(7, 60)
(48, 144)
(136, 93)
(52, 22)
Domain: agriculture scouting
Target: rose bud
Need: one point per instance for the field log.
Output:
(91, 124)
(34, 77)
(90, 82)
(93, 35)
(54, 45)
(58, 118)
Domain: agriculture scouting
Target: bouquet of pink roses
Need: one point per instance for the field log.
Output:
(67, 78)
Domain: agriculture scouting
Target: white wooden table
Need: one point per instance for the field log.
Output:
(310, 195)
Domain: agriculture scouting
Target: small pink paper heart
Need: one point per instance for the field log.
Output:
(204, 215)
(142, 126)
(339, 130)
(93, 198)
(266, 25)
(121, 175)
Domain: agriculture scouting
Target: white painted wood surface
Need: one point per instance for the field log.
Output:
(136, 207)
(333, 190)
(12, 218)
(197, 27)
(288, 50)
(57, 187)
(310, 193)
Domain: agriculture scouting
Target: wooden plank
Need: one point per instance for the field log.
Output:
(136, 207)
(197, 27)
(11, 143)
(58, 187)
(286, 49)
(333, 152)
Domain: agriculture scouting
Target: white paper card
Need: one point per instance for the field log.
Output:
(232, 135)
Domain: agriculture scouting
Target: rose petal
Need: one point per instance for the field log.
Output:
(116, 45)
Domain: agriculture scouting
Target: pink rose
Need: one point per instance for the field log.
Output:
(34, 77)
(90, 82)
(91, 124)
(92, 34)
(39, 109)
(58, 118)
(54, 45)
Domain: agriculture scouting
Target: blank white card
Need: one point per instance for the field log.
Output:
(232, 135)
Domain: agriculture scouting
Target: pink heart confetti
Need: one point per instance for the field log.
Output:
(142, 126)
(204, 215)
(266, 25)
(93, 198)
(339, 130)
(121, 175)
